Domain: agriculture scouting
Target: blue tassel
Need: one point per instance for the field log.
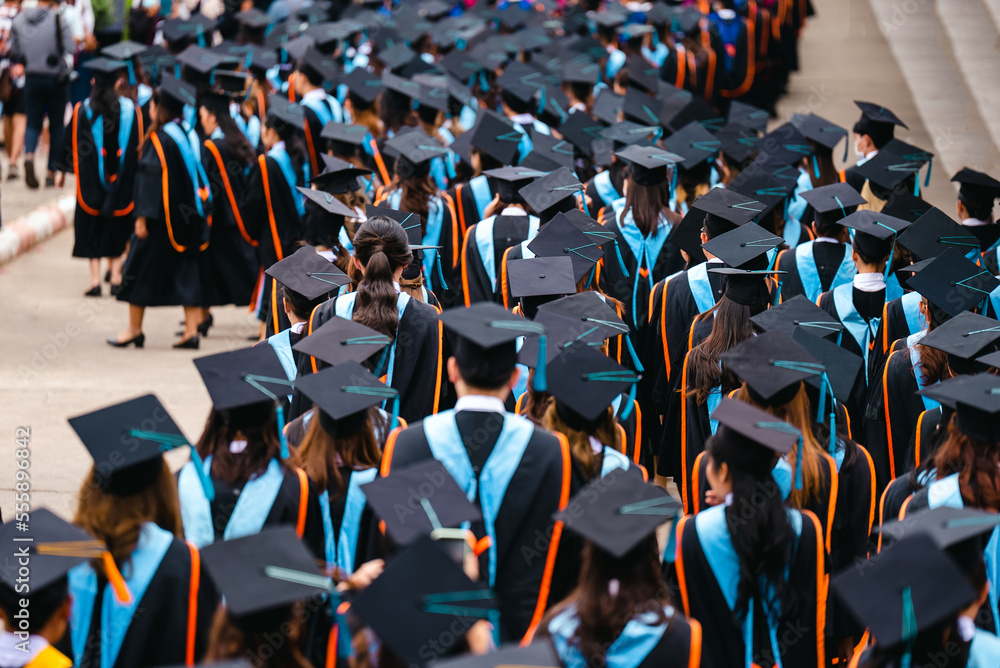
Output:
(206, 482)
(833, 433)
(131, 74)
(798, 464)
(621, 261)
(815, 167)
(916, 185)
(440, 271)
(395, 413)
(927, 179)
(539, 382)
(281, 432)
(629, 403)
(670, 554)
(590, 277)
(631, 351)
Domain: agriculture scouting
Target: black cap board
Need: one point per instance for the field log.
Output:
(339, 340)
(253, 18)
(887, 170)
(410, 222)
(561, 238)
(618, 511)
(738, 142)
(904, 204)
(944, 525)
(874, 232)
(541, 276)
(243, 377)
(200, 60)
(549, 154)
(748, 115)
(308, 273)
(878, 113)
(42, 538)
(648, 164)
(730, 206)
(564, 331)
(105, 67)
(977, 185)
(607, 106)
(841, 365)
(539, 654)
(281, 112)
(339, 176)
(497, 138)
(589, 309)
(785, 144)
(344, 390)
(693, 143)
(124, 50)
(586, 381)
(953, 283)
(821, 131)
(415, 148)
(180, 91)
(771, 364)
(935, 232)
(836, 197)
(966, 336)
(687, 235)
(977, 402)
(756, 183)
(582, 131)
(797, 313)
(510, 180)
(746, 247)
(417, 500)
(485, 324)
(362, 84)
(749, 425)
(268, 570)
(551, 189)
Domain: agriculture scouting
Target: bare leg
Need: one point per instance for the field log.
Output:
(135, 314)
(95, 272)
(115, 264)
(192, 318)
(16, 138)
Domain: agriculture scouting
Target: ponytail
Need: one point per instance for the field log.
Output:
(380, 245)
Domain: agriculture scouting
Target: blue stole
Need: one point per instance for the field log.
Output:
(281, 157)
(946, 492)
(342, 549)
(605, 188)
(343, 306)
(911, 342)
(985, 650)
(629, 649)
(805, 262)
(116, 617)
(915, 320)
(792, 233)
(249, 127)
(484, 242)
(712, 402)
(995, 299)
(126, 114)
(467, 117)
(701, 288)
(326, 110)
(432, 235)
(344, 240)
(445, 441)
(843, 302)
(613, 459)
(282, 344)
(797, 206)
(616, 60)
(658, 55)
(717, 546)
(481, 193)
(782, 475)
(252, 507)
(143, 94)
(645, 250)
(190, 149)
(525, 145)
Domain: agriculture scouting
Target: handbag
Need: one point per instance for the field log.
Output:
(6, 85)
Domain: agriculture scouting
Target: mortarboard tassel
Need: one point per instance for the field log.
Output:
(539, 382)
(909, 628)
(815, 166)
(281, 432)
(131, 72)
(172, 441)
(798, 463)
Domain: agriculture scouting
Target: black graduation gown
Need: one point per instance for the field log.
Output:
(271, 217)
(103, 221)
(827, 256)
(525, 531)
(893, 328)
(418, 368)
(864, 302)
(232, 254)
(723, 645)
(160, 638)
(465, 205)
(476, 284)
(168, 267)
(991, 261)
(736, 57)
(597, 201)
(988, 235)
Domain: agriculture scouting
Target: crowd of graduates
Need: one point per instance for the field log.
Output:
(519, 269)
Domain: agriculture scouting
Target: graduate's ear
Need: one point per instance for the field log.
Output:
(514, 377)
(358, 265)
(961, 210)
(453, 374)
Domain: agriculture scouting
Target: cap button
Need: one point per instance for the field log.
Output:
(795, 322)
(541, 276)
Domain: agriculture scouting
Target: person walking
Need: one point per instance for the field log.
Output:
(14, 120)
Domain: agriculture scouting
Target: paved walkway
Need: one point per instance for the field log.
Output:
(56, 363)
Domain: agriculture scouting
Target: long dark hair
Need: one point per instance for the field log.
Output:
(827, 171)
(381, 246)
(320, 450)
(233, 637)
(236, 141)
(416, 195)
(104, 101)
(257, 424)
(647, 204)
(933, 362)
(731, 327)
(977, 464)
(758, 524)
(294, 145)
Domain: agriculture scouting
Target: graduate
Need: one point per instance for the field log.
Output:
(413, 191)
(602, 620)
(974, 207)
(488, 150)
(242, 482)
(319, 108)
(721, 550)
(232, 255)
(412, 364)
(825, 261)
(873, 130)
(274, 207)
(642, 221)
(33, 642)
(702, 381)
(352, 187)
(351, 143)
(699, 148)
(518, 474)
(507, 224)
(166, 265)
(102, 150)
(361, 104)
(129, 503)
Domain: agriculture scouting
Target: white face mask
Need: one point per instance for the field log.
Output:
(858, 153)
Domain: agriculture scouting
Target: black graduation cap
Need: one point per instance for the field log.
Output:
(593, 229)
(747, 424)
(693, 143)
(328, 202)
(510, 180)
(648, 163)
(904, 204)
(485, 324)
(551, 154)
(681, 108)
(911, 588)
(770, 364)
(199, 59)
(308, 273)
(126, 441)
(339, 176)
(415, 147)
(253, 18)
(841, 365)
(977, 402)
(541, 277)
(281, 111)
(581, 70)
(462, 66)
(627, 133)
(977, 185)
(242, 377)
(834, 198)
(551, 189)
(354, 135)
(399, 85)
(561, 238)
(327, 34)
(966, 336)
(54, 545)
(935, 232)
(756, 183)
(586, 381)
(748, 116)
(797, 313)
(887, 170)
(785, 144)
(230, 83)
(944, 525)
(607, 106)
(105, 67)
(124, 50)
(908, 151)
(267, 570)
(634, 30)
(738, 142)
(687, 235)
(344, 390)
(642, 75)
(944, 391)
(821, 131)
(259, 59)
(339, 340)
(729, 205)
(744, 248)
(582, 131)
(180, 91)
(295, 48)
(362, 84)
(323, 66)
(590, 310)
(618, 511)
(419, 500)
(496, 137)
(410, 222)
(878, 114)
(874, 232)
(396, 56)
(539, 654)
(422, 596)
(435, 97)
(198, 27)
(565, 331)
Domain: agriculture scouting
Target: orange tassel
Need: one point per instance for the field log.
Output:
(115, 579)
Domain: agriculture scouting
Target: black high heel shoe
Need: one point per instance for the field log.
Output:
(138, 341)
(205, 324)
(93, 292)
(190, 344)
